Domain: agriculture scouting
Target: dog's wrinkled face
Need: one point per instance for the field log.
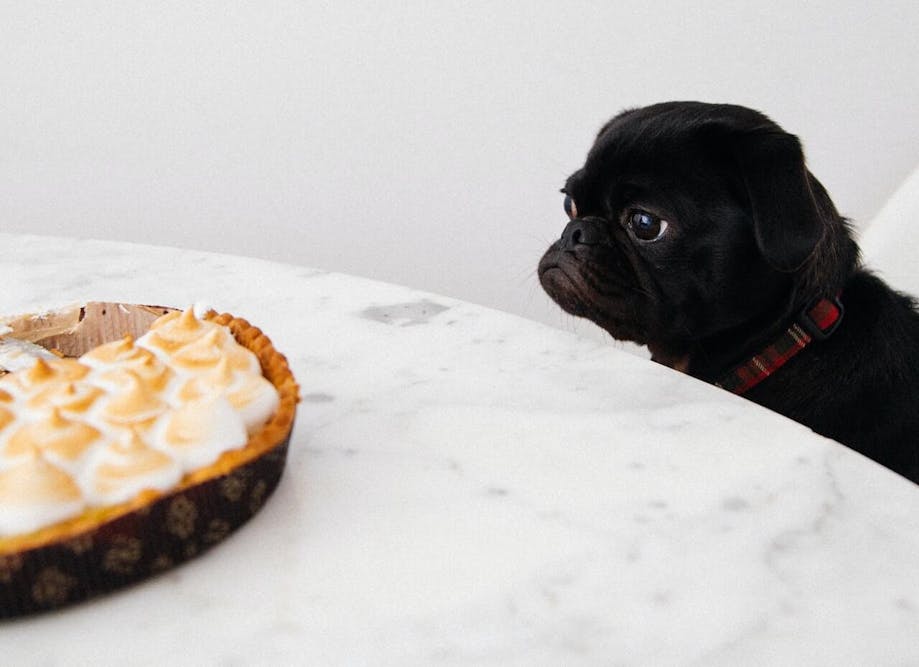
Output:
(687, 220)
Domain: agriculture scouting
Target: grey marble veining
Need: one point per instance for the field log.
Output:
(470, 488)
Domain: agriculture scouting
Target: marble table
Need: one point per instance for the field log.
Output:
(466, 487)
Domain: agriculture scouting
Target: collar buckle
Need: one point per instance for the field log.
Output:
(821, 317)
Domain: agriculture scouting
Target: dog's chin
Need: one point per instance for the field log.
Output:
(565, 290)
(565, 285)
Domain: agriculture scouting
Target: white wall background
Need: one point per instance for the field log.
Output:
(416, 142)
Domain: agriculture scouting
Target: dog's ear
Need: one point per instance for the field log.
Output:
(786, 217)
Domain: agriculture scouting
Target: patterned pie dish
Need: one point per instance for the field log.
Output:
(132, 438)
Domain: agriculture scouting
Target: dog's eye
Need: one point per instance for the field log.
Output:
(570, 207)
(646, 227)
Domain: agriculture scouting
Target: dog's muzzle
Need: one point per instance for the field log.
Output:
(585, 231)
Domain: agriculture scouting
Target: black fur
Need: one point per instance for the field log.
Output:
(752, 238)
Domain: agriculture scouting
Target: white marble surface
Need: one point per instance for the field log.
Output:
(469, 488)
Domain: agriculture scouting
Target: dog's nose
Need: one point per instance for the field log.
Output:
(584, 231)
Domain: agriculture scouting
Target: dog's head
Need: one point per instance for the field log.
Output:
(691, 221)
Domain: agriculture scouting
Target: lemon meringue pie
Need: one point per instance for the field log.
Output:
(94, 448)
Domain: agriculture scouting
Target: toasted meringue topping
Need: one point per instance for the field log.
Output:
(117, 352)
(112, 353)
(125, 355)
(40, 372)
(127, 467)
(5, 397)
(152, 373)
(36, 492)
(206, 352)
(179, 323)
(213, 348)
(252, 396)
(69, 369)
(43, 481)
(215, 382)
(200, 431)
(255, 400)
(71, 397)
(6, 418)
(175, 330)
(55, 435)
(134, 402)
(17, 355)
(46, 372)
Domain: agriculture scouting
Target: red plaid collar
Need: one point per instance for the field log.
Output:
(818, 321)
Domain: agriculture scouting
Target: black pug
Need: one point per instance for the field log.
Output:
(697, 230)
